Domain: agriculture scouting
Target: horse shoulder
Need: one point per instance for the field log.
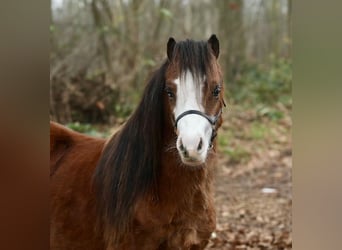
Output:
(60, 141)
(66, 144)
(73, 158)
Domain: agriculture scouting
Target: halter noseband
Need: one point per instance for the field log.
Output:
(211, 119)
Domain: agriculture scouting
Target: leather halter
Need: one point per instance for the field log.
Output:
(211, 119)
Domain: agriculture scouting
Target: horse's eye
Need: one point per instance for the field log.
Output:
(217, 90)
(169, 93)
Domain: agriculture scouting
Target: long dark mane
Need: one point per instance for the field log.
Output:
(129, 164)
(193, 56)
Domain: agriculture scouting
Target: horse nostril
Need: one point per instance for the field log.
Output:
(183, 149)
(200, 144)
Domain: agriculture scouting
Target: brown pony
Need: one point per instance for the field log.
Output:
(149, 186)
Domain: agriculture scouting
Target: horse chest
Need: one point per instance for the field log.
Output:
(188, 222)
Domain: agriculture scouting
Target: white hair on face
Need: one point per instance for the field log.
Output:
(187, 95)
(192, 128)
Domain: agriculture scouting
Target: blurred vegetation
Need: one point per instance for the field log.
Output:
(102, 52)
(89, 129)
(264, 84)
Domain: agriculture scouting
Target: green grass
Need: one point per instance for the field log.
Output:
(87, 129)
(263, 84)
(271, 112)
(224, 138)
(237, 154)
(257, 131)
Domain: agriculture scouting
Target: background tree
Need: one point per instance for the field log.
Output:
(103, 50)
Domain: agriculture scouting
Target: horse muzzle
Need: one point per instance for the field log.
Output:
(195, 135)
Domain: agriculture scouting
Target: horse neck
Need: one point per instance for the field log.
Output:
(177, 181)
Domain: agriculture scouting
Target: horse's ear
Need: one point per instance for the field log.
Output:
(214, 45)
(170, 46)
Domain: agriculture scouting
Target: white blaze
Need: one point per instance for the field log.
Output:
(191, 128)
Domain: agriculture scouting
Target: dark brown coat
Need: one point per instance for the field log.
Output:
(132, 191)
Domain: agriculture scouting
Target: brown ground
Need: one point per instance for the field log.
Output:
(255, 153)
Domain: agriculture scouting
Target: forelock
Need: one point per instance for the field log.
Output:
(192, 56)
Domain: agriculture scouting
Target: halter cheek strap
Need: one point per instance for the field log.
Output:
(211, 119)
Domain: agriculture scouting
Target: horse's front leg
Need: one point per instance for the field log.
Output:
(199, 246)
(187, 239)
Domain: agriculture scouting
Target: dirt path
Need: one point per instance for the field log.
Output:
(253, 194)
